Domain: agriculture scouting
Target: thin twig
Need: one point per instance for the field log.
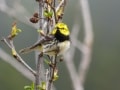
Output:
(54, 11)
(17, 57)
(41, 4)
(52, 72)
(60, 4)
(19, 67)
(38, 69)
(55, 18)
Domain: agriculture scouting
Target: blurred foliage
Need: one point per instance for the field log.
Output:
(104, 69)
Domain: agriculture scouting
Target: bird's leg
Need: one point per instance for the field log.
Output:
(41, 54)
(57, 50)
(61, 59)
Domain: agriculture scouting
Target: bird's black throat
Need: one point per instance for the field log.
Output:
(60, 37)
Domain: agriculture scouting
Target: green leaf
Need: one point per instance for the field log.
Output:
(19, 30)
(55, 75)
(43, 86)
(48, 14)
(32, 87)
(14, 52)
(27, 88)
(15, 30)
(47, 61)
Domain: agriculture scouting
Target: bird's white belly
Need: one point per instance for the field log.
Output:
(63, 47)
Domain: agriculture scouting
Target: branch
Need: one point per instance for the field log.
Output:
(39, 58)
(17, 57)
(52, 71)
(88, 40)
(10, 60)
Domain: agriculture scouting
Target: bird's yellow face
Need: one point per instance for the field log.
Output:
(62, 28)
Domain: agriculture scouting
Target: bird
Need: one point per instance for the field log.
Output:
(57, 45)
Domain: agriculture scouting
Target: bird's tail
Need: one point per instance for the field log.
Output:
(26, 50)
(30, 49)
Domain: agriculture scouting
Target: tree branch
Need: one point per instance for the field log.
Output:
(17, 57)
(19, 67)
(88, 40)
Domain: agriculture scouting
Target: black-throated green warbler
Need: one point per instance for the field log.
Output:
(58, 45)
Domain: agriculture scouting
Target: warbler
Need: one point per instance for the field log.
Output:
(58, 45)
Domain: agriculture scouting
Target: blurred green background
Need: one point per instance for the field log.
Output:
(104, 71)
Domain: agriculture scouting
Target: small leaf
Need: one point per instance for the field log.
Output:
(55, 75)
(43, 86)
(47, 61)
(32, 86)
(48, 14)
(60, 12)
(41, 32)
(19, 30)
(27, 88)
(14, 52)
(15, 30)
